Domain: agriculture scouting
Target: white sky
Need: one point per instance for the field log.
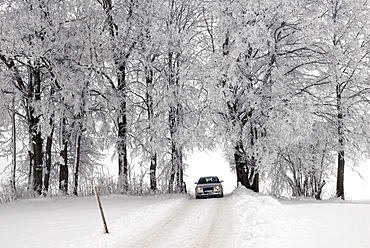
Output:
(209, 164)
(356, 187)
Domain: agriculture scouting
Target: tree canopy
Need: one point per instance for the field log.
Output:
(281, 86)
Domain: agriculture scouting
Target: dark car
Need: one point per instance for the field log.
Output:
(209, 187)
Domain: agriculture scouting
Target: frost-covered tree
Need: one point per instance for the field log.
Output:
(303, 150)
(183, 55)
(120, 28)
(149, 142)
(337, 74)
(256, 39)
(32, 38)
(47, 70)
(167, 88)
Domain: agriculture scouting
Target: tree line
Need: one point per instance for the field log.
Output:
(282, 86)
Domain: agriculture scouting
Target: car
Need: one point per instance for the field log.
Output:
(208, 187)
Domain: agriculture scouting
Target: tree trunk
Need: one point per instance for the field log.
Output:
(153, 169)
(77, 162)
(49, 142)
(254, 175)
(341, 160)
(246, 173)
(180, 174)
(150, 110)
(255, 185)
(176, 153)
(340, 175)
(63, 169)
(80, 129)
(14, 150)
(241, 166)
(36, 146)
(122, 130)
(177, 170)
(173, 166)
(30, 166)
(37, 169)
(63, 163)
(175, 121)
(319, 190)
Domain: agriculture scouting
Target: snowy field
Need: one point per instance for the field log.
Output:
(241, 219)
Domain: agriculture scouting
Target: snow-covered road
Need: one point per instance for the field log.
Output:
(196, 223)
(242, 219)
(183, 222)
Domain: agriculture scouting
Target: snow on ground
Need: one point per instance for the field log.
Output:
(59, 222)
(241, 219)
(330, 223)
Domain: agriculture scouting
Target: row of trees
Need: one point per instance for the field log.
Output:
(282, 85)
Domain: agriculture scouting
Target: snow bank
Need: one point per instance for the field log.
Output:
(261, 221)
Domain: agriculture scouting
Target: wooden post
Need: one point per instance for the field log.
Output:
(101, 210)
(14, 146)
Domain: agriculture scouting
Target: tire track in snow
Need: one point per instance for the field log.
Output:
(198, 223)
(156, 234)
(220, 232)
